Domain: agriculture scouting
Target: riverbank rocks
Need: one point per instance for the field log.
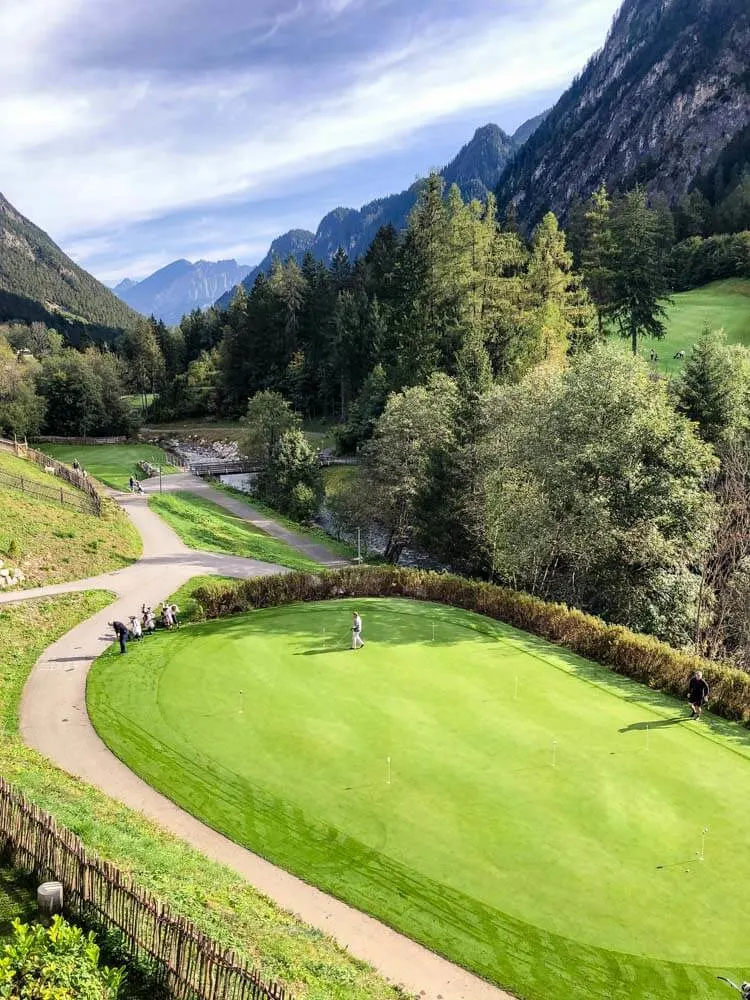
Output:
(10, 577)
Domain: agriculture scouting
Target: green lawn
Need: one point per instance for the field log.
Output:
(112, 464)
(52, 543)
(722, 304)
(309, 531)
(218, 900)
(204, 525)
(578, 879)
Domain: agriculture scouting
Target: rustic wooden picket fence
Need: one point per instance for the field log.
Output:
(89, 501)
(189, 964)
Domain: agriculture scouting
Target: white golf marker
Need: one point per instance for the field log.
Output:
(554, 753)
(702, 855)
(433, 631)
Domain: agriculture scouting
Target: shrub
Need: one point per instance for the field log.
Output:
(640, 657)
(55, 963)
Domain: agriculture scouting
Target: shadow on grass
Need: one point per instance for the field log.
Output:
(653, 724)
(406, 622)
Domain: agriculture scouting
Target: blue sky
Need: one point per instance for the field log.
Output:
(139, 131)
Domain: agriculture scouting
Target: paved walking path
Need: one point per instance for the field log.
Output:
(54, 721)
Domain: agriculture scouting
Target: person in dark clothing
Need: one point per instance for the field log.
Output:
(122, 634)
(698, 692)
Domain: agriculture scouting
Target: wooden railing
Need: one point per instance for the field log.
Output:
(89, 499)
(189, 964)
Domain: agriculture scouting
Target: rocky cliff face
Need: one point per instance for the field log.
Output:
(657, 105)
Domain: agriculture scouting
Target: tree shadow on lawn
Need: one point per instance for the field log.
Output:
(383, 626)
(731, 735)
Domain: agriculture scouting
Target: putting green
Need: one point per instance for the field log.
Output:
(534, 829)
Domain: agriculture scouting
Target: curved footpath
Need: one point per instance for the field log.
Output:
(54, 721)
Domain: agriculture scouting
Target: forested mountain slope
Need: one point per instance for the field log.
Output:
(476, 170)
(38, 282)
(658, 105)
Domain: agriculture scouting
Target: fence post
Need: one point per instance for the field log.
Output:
(62, 497)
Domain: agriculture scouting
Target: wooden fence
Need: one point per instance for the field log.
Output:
(56, 439)
(188, 963)
(89, 501)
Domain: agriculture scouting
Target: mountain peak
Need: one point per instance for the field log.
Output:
(180, 287)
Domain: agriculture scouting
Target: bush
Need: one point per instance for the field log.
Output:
(640, 657)
(55, 963)
(291, 480)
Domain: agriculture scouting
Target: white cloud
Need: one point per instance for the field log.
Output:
(83, 152)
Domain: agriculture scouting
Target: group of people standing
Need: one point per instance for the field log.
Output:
(144, 623)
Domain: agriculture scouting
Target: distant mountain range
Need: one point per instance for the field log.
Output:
(180, 287)
(476, 170)
(39, 283)
(669, 91)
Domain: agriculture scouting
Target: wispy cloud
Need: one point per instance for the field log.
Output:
(118, 114)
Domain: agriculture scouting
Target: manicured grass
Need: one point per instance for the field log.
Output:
(309, 531)
(204, 525)
(212, 896)
(720, 305)
(112, 464)
(578, 879)
(52, 543)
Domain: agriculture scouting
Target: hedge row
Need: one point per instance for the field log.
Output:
(638, 656)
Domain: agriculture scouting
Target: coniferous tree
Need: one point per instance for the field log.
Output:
(714, 386)
(640, 286)
(598, 253)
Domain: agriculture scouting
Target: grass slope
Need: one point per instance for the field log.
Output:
(112, 464)
(217, 900)
(204, 525)
(52, 543)
(309, 531)
(565, 881)
(722, 304)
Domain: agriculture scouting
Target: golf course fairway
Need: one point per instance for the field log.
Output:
(541, 820)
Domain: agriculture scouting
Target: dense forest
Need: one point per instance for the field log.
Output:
(500, 426)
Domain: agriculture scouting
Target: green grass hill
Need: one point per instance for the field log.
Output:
(52, 543)
(720, 305)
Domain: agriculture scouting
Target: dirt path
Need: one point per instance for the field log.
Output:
(54, 721)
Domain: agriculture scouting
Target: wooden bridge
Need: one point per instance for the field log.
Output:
(246, 466)
(220, 467)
